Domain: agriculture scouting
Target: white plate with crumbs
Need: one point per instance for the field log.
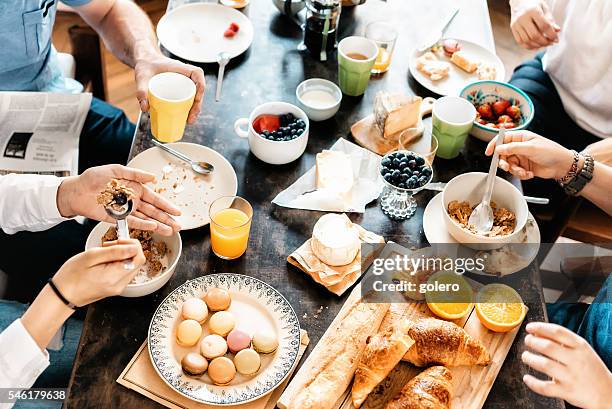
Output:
(189, 191)
(195, 32)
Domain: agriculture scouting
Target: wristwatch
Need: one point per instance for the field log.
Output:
(578, 182)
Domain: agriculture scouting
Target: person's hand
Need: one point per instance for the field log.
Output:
(147, 68)
(526, 155)
(100, 272)
(577, 374)
(532, 24)
(77, 196)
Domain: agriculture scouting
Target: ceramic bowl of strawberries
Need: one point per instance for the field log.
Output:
(498, 104)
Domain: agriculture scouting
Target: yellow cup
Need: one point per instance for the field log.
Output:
(170, 98)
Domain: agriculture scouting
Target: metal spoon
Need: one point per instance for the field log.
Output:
(120, 215)
(223, 58)
(203, 168)
(482, 216)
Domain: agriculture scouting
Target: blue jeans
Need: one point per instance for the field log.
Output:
(57, 374)
(592, 322)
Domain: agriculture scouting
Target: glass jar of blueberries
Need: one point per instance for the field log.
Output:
(404, 173)
(289, 128)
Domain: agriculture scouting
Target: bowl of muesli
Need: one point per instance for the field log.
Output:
(161, 252)
(464, 192)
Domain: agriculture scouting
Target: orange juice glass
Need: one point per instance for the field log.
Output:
(230, 224)
(384, 35)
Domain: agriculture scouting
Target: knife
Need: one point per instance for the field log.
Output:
(439, 186)
(437, 35)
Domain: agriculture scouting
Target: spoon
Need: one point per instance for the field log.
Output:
(439, 187)
(223, 58)
(482, 216)
(120, 215)
(203, 168)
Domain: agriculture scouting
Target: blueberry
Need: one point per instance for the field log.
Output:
(412, 164)
(396, 174)
(396, 163)
(420, 160)
(416, 173)
(403, 164)
(386, 161)
(384, 170)
(411, 184)
(423, 180)
(404, 177)
(409, 157)
(388, 177)
(426, 172)
(402, 185)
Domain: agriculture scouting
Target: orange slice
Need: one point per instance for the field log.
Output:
(449, 295)
(499, 307)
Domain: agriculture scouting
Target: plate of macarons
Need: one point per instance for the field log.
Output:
(224, 339)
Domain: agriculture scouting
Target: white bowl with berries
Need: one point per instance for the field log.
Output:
(277, 132)
(498, 104)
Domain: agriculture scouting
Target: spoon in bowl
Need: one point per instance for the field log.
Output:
(119, 210)
(482, 215)
(203, 168)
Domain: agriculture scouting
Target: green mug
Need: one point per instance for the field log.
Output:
(356, 57)
(452, 119)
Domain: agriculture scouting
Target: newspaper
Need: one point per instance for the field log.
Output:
(39, 132)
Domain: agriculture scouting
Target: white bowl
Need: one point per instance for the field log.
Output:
(273, 152)
(470, 187)
(319, 113)
(481, 92)
(174, 243)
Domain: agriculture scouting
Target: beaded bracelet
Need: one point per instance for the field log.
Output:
(60, 295)
(573, 171)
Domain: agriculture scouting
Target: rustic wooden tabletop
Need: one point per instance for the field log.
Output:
(115, 328)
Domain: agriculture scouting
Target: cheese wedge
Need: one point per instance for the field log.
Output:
(462, 61)
(335, 240)
(394, 113)
(334, 172)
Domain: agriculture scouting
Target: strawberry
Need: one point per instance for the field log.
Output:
(229, 33)
(485, 111)
(268, 123)
(482, 121)
(503, 119)
(514, 112)
(234, 27)
(499, 107)
(508, 125)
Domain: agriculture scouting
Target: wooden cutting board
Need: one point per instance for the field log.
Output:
(471, 385)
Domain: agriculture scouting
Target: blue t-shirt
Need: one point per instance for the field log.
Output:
(28, 60)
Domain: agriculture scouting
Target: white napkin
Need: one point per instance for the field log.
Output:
(302, 194)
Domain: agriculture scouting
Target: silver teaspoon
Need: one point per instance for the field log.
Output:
(203, 168)
(120, 215)
(223, 58)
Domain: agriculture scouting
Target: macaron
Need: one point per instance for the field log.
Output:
(188, 333)
(194, 309)
(221, 370)
(194, 364)
(265, 342)
(237, 340)
(222, 322)
(247, 362)
(213, 346)
(218, 299)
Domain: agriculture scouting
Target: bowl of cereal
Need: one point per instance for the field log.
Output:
(464, 192)
(162, 254)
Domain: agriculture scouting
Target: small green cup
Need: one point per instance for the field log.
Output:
(452, 119)
(356, 57)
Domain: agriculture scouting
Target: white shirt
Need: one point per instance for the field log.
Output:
(580, 65)
(27, 202)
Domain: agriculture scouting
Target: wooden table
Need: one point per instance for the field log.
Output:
(271, 70)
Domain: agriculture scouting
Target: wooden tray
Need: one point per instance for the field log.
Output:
(471, 384)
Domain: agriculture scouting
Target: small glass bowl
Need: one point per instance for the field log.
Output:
(396, 202)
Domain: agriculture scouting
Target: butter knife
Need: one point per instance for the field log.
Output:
(437, 35)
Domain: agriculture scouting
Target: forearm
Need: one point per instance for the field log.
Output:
(45, 317)
(127, 32)
(598, 189)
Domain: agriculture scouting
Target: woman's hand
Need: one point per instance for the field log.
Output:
(577, 374)
(100, 272)
(526, 155)
(77, 196)
(532, 24)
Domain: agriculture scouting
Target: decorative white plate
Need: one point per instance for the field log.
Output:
(177, 182)
(256, 305)
(509, 259)
(194, 32)
(457, 78)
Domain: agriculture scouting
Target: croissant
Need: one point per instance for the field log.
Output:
(382, 353)
(438, 342)
(431, 389)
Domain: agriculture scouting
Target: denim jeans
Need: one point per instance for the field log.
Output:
(57, 374)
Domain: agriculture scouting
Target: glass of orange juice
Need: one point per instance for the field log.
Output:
(230, 224)
(384, 35)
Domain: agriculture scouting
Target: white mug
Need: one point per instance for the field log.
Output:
(273, 152)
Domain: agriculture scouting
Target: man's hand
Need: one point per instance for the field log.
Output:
(77, 196)
(148, 67)
(532, 24)
(577, 374)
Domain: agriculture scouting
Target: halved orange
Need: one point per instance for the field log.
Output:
(499, 307)
(448, 302)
